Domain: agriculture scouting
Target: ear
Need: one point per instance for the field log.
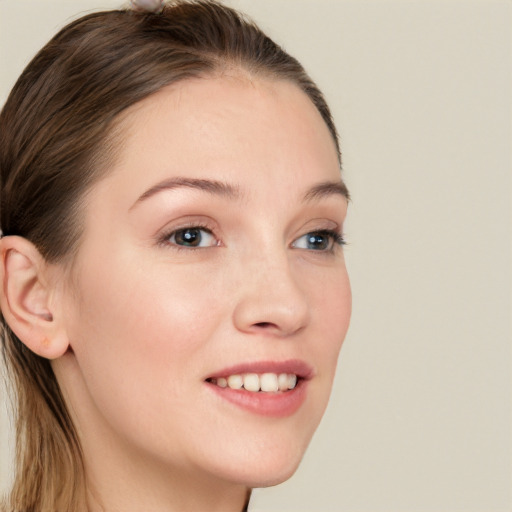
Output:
(27, 298)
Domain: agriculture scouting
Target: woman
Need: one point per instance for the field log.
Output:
(174, 293)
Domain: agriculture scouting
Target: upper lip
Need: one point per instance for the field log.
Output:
(300, 368)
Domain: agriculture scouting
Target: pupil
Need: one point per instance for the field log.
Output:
(190, 237)
(318, 241)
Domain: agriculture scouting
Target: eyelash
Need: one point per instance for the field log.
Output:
(336, 239)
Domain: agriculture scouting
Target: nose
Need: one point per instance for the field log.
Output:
(270, 299)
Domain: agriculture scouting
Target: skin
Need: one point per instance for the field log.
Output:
(146, 321)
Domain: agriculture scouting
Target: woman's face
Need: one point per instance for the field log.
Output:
(210, 253)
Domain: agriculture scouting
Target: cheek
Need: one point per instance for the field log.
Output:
(147, 303)
(136, 339)
(338, 308)
(325, 286)
(332, 308)
(331, 304)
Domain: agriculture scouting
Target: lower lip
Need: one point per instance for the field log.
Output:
(277, 405)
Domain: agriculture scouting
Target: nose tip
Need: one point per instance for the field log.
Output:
(272, 302)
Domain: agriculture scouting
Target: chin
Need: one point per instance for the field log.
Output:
(275, 479)
(265, 469)
(262, 454)
(267, 478)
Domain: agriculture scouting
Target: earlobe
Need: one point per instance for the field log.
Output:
(25, 298)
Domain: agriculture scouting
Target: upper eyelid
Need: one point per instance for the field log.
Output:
(188, 222)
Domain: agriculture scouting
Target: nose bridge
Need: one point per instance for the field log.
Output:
(270, 297)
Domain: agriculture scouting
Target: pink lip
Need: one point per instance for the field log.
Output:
(277, 405)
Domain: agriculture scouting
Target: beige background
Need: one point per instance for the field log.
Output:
(420, 418)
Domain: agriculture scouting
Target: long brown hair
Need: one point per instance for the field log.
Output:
(55, 142)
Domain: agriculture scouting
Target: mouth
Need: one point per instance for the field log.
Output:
(275, 389)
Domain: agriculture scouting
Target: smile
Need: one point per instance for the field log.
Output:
(255, 383)
(276, 389)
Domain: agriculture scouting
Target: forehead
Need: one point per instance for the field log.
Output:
(230, 128)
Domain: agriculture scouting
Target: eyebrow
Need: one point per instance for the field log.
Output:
(211, 186)
(326, 189)
(220, 188)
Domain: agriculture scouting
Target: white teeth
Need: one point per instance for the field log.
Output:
(251, 382)
(235, 381)
(282, 380)
(266, 382)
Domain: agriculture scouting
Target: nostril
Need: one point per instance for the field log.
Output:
(263, 324)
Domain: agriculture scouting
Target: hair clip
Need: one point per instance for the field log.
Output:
(155, 6)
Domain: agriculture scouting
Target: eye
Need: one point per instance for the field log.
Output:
(324, 240)
(196, 236)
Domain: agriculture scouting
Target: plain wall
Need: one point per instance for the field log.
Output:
(420, 417)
